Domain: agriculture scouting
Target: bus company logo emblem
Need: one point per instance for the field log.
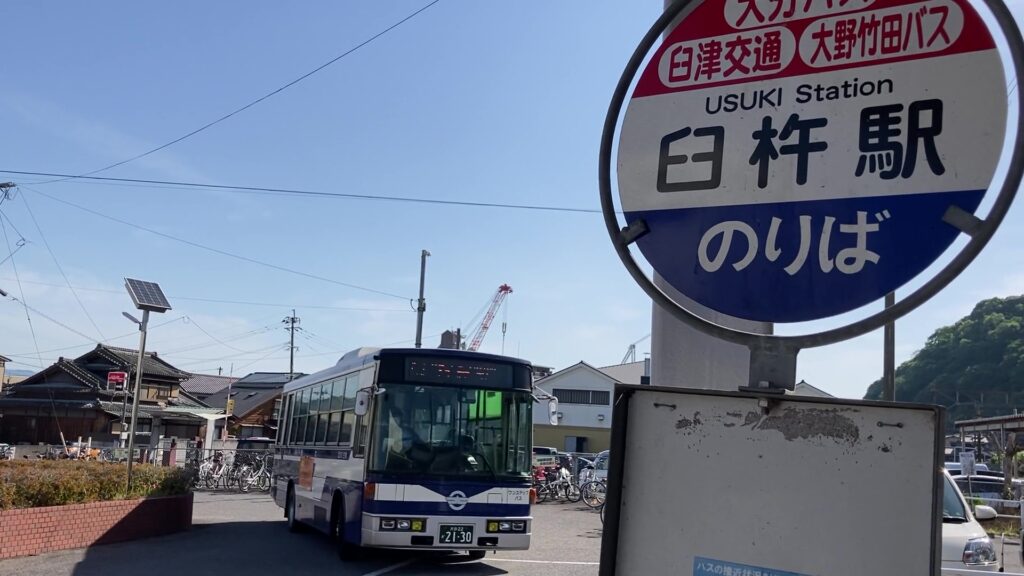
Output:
(457, 500)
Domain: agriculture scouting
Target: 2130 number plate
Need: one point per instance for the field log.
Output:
(455, 534)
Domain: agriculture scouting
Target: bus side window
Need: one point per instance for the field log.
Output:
(283, 418)
(360, 442)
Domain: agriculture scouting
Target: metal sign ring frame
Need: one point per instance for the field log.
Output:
(790, 345)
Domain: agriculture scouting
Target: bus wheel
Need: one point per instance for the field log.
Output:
(293, 524)
(477, 554)
(346, 551)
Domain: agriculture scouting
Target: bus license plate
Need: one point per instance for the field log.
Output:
(456, 534)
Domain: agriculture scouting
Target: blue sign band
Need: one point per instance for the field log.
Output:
(799, 261)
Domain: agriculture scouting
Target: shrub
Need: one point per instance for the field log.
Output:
(30, 484)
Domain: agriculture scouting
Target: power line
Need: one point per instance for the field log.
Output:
(278, 347)
(212, 337)
(217, 250)
(242, 336)
(92, 341)
(18, 246)
(60, 268)
(21, 290)
(256, 101)
(320, 339)
(220, 301)
(191, 361)
(50, 318)
(4, 216)
(314, 193)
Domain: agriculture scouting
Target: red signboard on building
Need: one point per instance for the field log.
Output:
(116, 380)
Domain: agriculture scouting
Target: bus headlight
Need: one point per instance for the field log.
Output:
(403, 524)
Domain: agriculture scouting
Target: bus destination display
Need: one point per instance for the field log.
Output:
(465, 373)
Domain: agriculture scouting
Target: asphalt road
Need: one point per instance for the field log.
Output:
(246, 534)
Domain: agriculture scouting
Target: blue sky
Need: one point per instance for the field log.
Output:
(472, 101)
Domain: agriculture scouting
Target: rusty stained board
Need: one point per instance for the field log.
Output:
(797, 423)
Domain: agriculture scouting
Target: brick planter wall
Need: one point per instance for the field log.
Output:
(31, 531)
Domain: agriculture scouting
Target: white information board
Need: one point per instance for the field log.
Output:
(709, 483)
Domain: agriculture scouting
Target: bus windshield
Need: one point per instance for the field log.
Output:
(448, 431)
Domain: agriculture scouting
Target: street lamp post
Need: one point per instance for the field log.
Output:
(135, 391)
(147, 297)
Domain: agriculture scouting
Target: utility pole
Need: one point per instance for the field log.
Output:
(292, 322)
(889, 354)
(421, 306)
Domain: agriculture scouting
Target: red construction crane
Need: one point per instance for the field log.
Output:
(481, 330)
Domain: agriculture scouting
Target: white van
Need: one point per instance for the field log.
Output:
(965, 545)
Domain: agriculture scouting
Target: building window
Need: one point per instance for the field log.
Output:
(593, 397)
(249, 431)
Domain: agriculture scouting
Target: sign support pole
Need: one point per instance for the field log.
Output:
(772, 365)
(684, 356)
(889, 354)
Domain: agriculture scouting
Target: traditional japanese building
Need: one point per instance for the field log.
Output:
(256, 405)
(72, 397)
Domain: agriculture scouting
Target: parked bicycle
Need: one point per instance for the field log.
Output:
(593, 493)
(255, 475)
(557, 484)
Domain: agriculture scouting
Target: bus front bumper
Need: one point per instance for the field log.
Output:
(446, 533)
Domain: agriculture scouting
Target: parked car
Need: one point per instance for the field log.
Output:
(954, 467)
(544, 457)
(985, 486)
(965, 545)
(601, 465)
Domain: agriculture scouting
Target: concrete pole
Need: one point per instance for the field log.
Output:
(889, 355)
(421, 306)
(685, 357)
(135, 393)
(291, 349)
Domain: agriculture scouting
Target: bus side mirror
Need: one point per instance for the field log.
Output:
(553, 411)
(362, 402)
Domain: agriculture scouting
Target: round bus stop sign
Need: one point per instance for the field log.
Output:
(796, 159)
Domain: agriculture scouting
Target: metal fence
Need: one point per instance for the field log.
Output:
(226, 469)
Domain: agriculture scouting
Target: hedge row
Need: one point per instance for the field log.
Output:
(34, 483)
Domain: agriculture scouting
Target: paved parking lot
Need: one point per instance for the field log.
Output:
(245, 534)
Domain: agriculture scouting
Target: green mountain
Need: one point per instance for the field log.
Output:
(974, 368)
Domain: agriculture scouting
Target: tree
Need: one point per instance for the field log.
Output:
(974, 368)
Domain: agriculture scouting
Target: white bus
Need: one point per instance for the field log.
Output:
(410, 448)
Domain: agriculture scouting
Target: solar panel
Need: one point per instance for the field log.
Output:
(147, 295)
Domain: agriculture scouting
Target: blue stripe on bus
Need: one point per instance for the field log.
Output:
(442, 509)
(446, 487)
